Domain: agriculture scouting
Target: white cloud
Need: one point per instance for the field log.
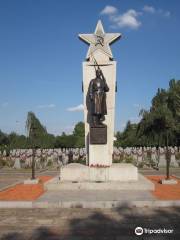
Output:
(128, 19)
(108, 10)
(149, 9)
(77, 108)
(47, 106)
(4, 104)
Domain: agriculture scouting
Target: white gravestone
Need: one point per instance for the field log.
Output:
(139, 155)
(154, 155)
(162, 157)
(173, 161)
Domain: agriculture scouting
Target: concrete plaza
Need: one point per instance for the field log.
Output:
(81, 224)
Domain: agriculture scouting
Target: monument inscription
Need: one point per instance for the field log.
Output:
(98, 135)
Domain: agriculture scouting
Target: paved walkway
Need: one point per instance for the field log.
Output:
(161, 171)
(87, 224)
(9, 177)
(7, 180)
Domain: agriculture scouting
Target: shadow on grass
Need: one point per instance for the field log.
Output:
(114, 224)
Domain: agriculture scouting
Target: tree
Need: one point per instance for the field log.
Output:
(174, 106)
(4, 141)
(35, 133)
(17, 141)
(160, 125)
(79, 134)
(65, 141)
(79, 129)
(174, 98)
(35, 130)
(128, 136)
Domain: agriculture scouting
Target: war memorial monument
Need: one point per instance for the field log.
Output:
(99, 89)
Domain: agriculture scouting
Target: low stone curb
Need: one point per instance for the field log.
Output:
(88, 204)
(16, 204)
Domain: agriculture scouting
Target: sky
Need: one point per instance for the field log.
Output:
(41, 57)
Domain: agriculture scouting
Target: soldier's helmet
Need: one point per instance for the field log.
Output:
(98, 72)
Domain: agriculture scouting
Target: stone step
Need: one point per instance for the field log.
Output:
(141, 184)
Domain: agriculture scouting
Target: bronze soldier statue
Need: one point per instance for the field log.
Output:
(97, 93)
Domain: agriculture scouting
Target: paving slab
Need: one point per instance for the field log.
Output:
(87, 224)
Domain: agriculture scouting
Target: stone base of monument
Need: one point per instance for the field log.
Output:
(117, 172)
(117, 177)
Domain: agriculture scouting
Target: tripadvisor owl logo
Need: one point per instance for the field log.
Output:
(138, 231)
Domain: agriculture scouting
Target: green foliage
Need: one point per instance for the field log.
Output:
(141, 165)
(73, 140)
(120, 160)
(160, 125)
(4, 141)
(79, 134)
(79, 130)
(128, 159)
(17, 141)
(36, 131)
(47, 141)
(81, 161)
(2, 163)
(65, 141)
(128, 137)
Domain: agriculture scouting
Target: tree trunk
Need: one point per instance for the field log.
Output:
(33, 164)
(167, 158)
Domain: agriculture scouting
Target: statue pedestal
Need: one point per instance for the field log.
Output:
(99, 155)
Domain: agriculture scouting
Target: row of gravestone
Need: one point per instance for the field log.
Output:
(153, 155)
(22, 158)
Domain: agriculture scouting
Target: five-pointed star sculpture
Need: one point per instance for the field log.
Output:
(99, 40)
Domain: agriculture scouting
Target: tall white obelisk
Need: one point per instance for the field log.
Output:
(99, 50)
